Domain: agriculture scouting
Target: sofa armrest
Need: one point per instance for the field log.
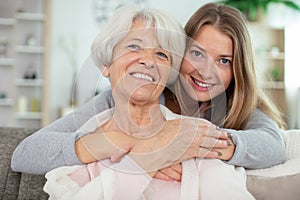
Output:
(281, 181)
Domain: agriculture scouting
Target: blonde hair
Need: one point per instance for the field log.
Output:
(170, 35)
(243, 94)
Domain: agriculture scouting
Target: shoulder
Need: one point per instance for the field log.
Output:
(104, 99)
(259, 118)
(259, 114)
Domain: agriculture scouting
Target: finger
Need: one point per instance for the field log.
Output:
(177, 168)
(161, 176)
(171, 173)
(120, 153)
(213, 154)
(209, 142)
(215, 132)
(207, 153)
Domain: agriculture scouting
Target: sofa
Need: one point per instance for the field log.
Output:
(15, 185)
(278, 182)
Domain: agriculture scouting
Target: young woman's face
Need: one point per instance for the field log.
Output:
(206, 70)
(140, 67)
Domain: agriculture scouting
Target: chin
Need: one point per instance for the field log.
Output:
(199, 96)
(141, 96)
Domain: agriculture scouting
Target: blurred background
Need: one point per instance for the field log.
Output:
(46, 70)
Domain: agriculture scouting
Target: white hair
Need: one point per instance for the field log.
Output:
(170, 34)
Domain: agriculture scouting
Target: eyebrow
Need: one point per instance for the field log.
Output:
(198, 47)
(141, 40)
(135, 39)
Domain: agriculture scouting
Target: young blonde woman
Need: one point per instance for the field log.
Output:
(223, 90)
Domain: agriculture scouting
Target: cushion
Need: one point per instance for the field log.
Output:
(280, 181)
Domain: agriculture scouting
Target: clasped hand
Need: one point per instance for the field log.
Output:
(161, 154)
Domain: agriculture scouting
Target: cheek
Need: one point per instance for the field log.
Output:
(227, 78)
(165, 72)
(186, 67)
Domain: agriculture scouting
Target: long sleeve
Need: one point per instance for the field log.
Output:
(53, 145)
(259, 145)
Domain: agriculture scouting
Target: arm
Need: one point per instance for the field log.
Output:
(172, 145)
(53, 145)
(259, 145)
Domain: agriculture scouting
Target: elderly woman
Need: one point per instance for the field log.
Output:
(140, 52)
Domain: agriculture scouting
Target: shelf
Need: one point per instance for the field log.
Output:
(29, 115)
(274, 85)
(7, 21)
(6, 61)
(30, 49)
(270, 55)
(6, 102)
(30, 16)
(29, 82)
(25, 27)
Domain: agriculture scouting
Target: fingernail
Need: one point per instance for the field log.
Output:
(219, 153)
(229, 135)
(228, 143)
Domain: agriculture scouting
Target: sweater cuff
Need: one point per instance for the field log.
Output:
(240, 148)
(68, 148)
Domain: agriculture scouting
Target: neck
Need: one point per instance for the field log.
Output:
(140, 120)
(188, 105)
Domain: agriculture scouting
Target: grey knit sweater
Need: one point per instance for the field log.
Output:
(259, 145)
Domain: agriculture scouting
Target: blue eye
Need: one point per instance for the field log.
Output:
(162, 55)
(225, 61)
(196, 53)
(134, 47)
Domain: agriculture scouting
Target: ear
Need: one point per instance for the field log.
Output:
(105, 71)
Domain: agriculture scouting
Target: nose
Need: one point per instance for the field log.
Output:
(207, 68)
(147, 58)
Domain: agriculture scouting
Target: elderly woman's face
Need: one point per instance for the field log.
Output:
(140, 67)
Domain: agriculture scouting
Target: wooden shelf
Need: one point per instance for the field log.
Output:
(7, 21)
(270, 55)
(6, 61)
(274, 85)
(29, 82)
(24, 24)
(30, 49)
(27, 16)
(29, 115)
(6, 102)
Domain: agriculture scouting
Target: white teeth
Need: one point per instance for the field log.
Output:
(142, 76)
(202, 84)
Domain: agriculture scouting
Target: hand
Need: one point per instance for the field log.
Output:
(103, 145)
(180, 140)
(173, 173)
(228, 152)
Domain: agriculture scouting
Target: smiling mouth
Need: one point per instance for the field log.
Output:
(201, 84)
(143, 76)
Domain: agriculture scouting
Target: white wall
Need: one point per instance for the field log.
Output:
(75, 22)
(292, 73)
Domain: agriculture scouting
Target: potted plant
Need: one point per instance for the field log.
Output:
(251, 8)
